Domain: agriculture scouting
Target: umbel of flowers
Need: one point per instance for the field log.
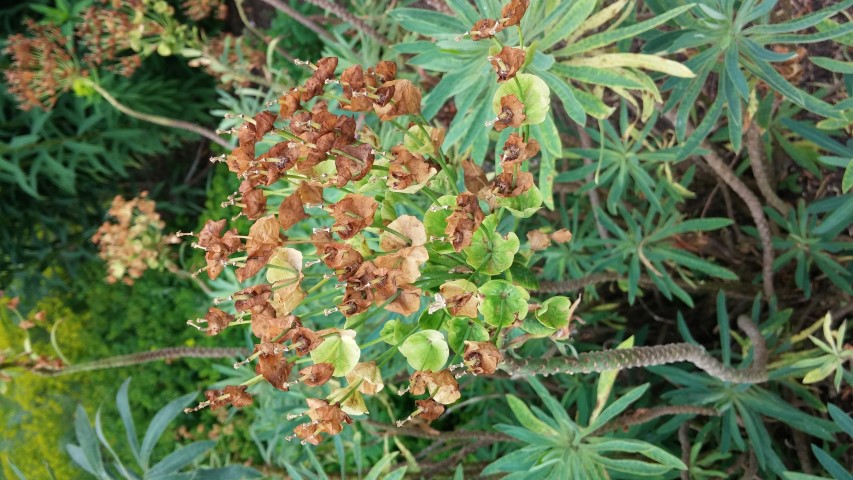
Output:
(131, 241)
(443, 259)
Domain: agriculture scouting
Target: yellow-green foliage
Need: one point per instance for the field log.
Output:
(99, 321)
(37, 409)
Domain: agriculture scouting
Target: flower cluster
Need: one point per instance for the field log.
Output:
(112, 37)
(43, 66)
(311, 162)
(132, 241)
(200, 9)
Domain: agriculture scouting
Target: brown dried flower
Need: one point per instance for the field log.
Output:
(462, 223)
(43, 66)
(482, 358)
(134, 242)
(352, 213)
(512, 113)
(513, 11)
(507, 62)
(485, 28)
(402, 98)
(217, 320)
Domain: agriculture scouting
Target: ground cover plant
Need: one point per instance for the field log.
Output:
(509, 239)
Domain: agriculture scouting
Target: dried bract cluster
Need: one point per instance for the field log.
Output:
(43, 66)
(132, 241)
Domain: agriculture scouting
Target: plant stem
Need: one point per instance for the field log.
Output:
(343, 14)
(755, 148)
(305, 21)
(713, 159)
(170, 353)
(158, 120)
(621, 359)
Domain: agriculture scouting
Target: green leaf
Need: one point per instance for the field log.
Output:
(608, 37)
(578, 12)
(532, 91)
(800, 23)
(596, 76)
(380, 466)
(605, 383)
(567, 98)
(524, 205)
(180, 458)
(634, 60)
(503, 303)
(767, 73)
(841, 419)
(394, 331)
(554, 312)
(831, 465)
(127, 418)
(532, 326)
(340, 350)
(627, 445)
(426, 350)
(616, 408)
(591, 104)
(838, 220)
(637, 468)
(522, 276)
(428, 22)
(435, 221)
(489, 252)
(526, 418)
(459, 327)
(158, 425)
(89, 447)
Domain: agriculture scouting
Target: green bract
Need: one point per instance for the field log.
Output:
(461, 329)
(524, 205)
(340, 350)
(531, 91)
(426, 350)
(435, 221)
(489, 252)
(554, 312)
(503, 303)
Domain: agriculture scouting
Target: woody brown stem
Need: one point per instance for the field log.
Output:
(755, 148)
(622, 359)
(345, 15)
(305, 21)
(453, 435)
(713, 159)
(644, 415)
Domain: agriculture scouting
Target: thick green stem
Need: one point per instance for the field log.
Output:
(171, 353)
(623, 359)
(158, 120)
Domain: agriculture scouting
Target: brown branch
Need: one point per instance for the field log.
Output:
(648, 356)
(713, 159)
(446, 436)
(305, 21)
(684, 441)
(755, 147)
(345, 15)
(565, 286)
(643, 415)
(592, 193)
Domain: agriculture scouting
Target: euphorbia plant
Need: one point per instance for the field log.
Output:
(397, 229)
(415, 246)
